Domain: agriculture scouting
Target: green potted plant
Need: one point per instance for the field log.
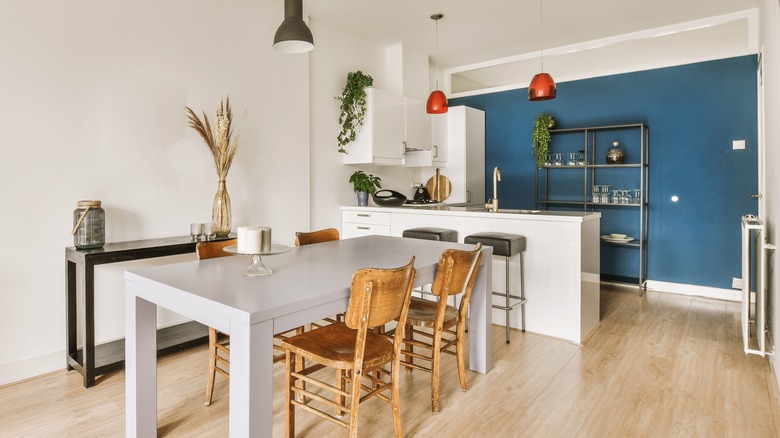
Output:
(541, 137)
(353, 107)
(364, 184)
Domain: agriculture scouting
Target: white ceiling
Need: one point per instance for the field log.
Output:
(474, 31)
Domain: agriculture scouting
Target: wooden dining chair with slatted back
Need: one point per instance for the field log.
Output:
(437, 326)
(320, 236)
(219, 343)
(377, 297)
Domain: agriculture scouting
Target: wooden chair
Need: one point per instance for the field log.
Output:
(326, 235)
(378, 296)
(219, 343)
(456, 274)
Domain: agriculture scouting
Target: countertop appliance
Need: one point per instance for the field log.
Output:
(421, 195)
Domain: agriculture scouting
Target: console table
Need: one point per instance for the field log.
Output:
(93, 360)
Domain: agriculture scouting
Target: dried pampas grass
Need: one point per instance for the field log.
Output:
(218, 137)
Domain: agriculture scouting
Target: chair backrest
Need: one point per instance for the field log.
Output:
(210, 250)
(326, 235)
(456, 274)
(379, 296)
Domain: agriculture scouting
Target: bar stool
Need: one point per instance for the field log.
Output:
(432, 233)
(505, 245)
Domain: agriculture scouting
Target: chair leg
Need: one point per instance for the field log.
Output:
(435, 361)
(290, 384)
(396, 394)
(212, 365)
(459, 354)
(342, 385)
(354, 403)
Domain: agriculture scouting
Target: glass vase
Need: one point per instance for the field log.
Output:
(220, 212)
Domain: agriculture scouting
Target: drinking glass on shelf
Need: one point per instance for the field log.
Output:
(557, 159)
(208, 231)
(605, 193)
(572, 159)
(637, 196)
(626, 197)
(596, 189)
(196, 230)
(617, 197)
(581, 158)
(547, 160)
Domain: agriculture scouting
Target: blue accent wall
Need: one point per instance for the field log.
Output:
(693, 112)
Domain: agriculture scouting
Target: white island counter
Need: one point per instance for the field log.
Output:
(561, 258)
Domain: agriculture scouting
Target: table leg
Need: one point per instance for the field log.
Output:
(481, 317)
(251, 379)
(71, 321)
(140, 366)
(88, 353)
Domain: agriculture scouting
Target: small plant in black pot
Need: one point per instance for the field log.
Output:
(364, 184)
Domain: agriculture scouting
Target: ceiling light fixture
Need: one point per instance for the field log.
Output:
(293, 35)
(542, 85)
(437, 101)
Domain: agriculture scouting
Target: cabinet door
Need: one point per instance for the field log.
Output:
(418, 125)
(439, 138)
(388, 118)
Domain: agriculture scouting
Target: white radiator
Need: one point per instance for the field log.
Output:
(754, 292)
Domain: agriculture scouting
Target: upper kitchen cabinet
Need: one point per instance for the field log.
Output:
(458, 148)
(393, 125)
(381, 139)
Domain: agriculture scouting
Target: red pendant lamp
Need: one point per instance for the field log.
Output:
(542, 85)
(437, 101)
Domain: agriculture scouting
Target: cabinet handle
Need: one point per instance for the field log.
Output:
(363, 215)
(468, 195)
(435, 151)
(403, 148)
(363, 228)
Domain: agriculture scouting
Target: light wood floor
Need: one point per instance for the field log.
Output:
(660, 365)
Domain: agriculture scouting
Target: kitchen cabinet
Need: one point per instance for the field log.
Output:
(458, 139)
(358, 223)
(562, 186)
(392, 125)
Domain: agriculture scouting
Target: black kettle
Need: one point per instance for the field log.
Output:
(421, 194)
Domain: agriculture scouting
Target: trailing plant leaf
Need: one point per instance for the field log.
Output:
(541, 138)
(353, 107)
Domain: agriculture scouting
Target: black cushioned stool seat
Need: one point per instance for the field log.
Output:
(506, 245)
(432, 233)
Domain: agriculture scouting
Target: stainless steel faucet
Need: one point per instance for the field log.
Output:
(492, 204)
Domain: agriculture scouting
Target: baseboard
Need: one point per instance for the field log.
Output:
(33, 367)
(695, 290)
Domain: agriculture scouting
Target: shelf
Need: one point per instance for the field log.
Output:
(593, 143)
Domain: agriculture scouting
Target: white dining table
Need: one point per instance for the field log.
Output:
(309, 283)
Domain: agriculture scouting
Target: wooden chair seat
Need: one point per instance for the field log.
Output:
(422, 313)
(334, 346)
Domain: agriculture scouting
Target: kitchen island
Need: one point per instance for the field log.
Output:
(561, 258)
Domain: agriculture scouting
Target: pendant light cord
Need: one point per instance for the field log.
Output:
(541, 34)
(437, 51)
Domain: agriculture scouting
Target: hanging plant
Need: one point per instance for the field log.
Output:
(541, 138)
(353, 107)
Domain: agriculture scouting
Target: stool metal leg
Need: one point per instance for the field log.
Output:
(508, 307)
(522, 292)
(508, 295)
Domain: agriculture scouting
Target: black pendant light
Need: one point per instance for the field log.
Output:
(437, 101)
(542, 85)
(293, 35)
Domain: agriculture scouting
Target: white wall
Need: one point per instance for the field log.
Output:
(93, 97)
(770, 37)
(336, 54)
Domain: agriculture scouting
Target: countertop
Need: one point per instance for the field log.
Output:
(476, 210)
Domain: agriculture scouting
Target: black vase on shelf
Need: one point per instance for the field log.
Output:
(615, 154)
